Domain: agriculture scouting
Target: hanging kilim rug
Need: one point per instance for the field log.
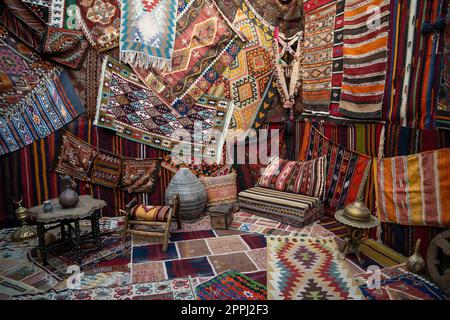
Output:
(205, 45)
(415, 189)
(301, 268)
(147, 32)
(126, 106)
(100, 22)
(248, 80)
(36, 99)
(231, 285)
(177, 289)
(366, 25)
(443, 108)
(318, 54)
(347, 170)
(67, 47)
(55, 13)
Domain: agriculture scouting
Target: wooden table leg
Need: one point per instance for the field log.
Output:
(42, 247)
(77, 241)
(63, 231)
(95, 223)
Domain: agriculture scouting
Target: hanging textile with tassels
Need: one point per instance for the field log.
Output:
(147, 32)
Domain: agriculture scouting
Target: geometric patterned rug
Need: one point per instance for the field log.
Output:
(307, 269)
(398, 284)
(249, 222)
(178, 289)
(231, 285)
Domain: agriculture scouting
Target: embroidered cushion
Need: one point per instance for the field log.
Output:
(302, 177)
(220, 189)
(140, 175)
(150, 213)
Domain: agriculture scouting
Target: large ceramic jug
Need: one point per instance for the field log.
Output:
(68, 197)
(192, 194)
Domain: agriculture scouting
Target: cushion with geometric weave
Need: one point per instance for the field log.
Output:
(150, 213)
(301, 177)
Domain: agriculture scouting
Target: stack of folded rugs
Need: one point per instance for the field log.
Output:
(288, 191)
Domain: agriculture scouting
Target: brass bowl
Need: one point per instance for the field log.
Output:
(357, 211)
(357, 215)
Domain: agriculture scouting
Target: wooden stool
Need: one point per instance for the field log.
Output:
(221, 216)
(154, 216)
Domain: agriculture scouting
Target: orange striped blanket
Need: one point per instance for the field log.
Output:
(414, 189)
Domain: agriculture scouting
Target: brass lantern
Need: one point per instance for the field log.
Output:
(24, 232)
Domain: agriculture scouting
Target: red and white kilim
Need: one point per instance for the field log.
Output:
(305, 268)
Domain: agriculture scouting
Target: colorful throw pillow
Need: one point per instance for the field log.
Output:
(150, 213)
(75, 157)
(140, 175)
(347, 170)
(221, 189)
(302, 177)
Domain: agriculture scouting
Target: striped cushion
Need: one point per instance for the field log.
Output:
(302, 177)
(282, 206)
(150, 213)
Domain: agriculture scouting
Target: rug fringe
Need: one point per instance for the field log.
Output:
(99, 94)
(143, 60)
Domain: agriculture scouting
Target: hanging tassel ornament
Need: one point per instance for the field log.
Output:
(284, 70)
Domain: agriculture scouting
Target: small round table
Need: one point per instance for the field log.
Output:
(358, 219)
(87, 208)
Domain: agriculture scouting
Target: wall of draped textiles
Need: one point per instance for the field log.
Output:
(29, 172)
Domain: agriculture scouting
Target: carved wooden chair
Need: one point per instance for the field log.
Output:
(152, 216)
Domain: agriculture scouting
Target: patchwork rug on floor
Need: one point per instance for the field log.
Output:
(307, 269)
(177, 289)
(231, 285)
(198, 254)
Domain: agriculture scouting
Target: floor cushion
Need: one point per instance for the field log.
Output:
(291, 208)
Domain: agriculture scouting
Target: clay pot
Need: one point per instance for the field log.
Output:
(68, 198)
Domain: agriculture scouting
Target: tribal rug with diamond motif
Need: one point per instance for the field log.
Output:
(176, 289)
(147, 32)
(231, 285)
(248, 80)
(300, 268)
(128, 107)
(205, 45)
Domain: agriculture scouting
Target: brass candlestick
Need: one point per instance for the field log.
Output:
(24, 232)
(357, 218)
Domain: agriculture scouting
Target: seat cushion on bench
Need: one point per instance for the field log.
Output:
(290, 208)
(150, 213)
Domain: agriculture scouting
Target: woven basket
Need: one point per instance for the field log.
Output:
(192, 194)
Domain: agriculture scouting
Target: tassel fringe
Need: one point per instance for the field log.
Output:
(145, 61)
